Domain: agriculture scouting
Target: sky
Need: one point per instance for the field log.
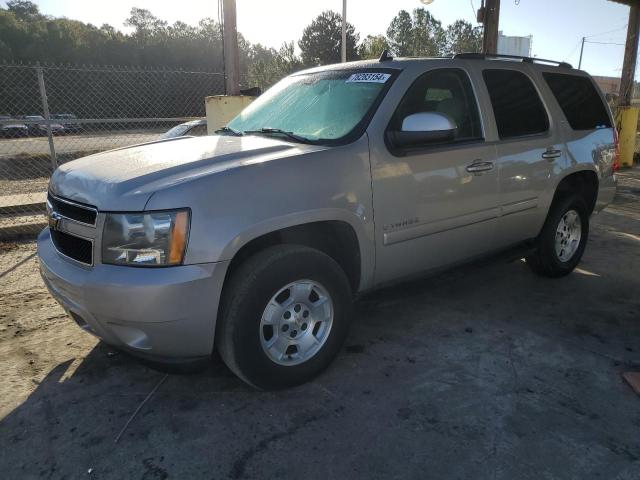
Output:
(557, 26)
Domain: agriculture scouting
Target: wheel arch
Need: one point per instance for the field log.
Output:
(585, 182)
(342, 236)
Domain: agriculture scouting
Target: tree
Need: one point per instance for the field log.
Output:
(461, 36)
(26, 35)
(399, 33)
(146, 24)
(321, 40)
(209, 39)
(416, 35)
(373, 46)
(24, 10)
(270, 66)
(427, 34)
(5, 51)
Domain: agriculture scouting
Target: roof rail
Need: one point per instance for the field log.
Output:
(498, 56)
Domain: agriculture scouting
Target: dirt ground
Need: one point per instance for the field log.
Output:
(483, 372)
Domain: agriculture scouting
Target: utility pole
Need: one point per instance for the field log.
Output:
(626, 114)
(491, 19)
(581, 50)
(343, 47)
(630, 56)
(231, 56)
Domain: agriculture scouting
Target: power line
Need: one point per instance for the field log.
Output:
(584, 40)
(604, 43)
(608, 31)
(568, 56)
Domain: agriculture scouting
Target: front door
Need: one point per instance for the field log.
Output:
(434, 204)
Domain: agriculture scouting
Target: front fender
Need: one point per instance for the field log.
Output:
(356, 222)
(232, 207)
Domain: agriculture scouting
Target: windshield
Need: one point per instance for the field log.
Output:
(177, 131)
(315, 106)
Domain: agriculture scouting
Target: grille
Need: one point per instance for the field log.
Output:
(73, 211)
(73, 247)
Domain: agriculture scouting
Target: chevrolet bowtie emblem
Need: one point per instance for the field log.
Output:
(53, 220)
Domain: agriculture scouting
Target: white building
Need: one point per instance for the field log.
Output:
(520, 46)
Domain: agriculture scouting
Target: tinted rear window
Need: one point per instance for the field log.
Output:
(516, 104)
(579, 101)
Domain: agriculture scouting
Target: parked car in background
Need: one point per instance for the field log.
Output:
(68, 121)
(336, 181)
(40, 126)
(194, 128)
(9, 129)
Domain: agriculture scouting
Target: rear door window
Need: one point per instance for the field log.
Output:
(579, 100)
(517, 107)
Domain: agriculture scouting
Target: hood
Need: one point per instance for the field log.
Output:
(124, 179)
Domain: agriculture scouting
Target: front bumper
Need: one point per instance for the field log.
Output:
(166, 314)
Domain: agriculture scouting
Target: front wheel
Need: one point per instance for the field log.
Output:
(285, 314)
(563, 239)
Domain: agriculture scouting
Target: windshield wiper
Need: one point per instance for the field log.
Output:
(278, 131)
(229, 131)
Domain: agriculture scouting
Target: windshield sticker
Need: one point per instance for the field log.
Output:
(368, 77)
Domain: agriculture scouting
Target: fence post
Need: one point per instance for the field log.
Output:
(45, 109)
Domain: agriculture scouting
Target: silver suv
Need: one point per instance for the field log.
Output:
(336, 181)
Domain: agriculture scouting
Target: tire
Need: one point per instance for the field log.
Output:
(546, 260)
(279, 276)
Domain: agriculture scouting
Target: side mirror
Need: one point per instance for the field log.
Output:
(424, 128)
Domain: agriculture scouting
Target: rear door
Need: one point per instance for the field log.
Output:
(588, 128)
(529, 149)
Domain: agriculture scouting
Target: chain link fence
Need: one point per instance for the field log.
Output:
(53, 114)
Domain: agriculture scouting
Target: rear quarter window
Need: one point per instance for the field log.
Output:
(579, 100)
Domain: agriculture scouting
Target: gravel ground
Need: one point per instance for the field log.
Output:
(482, 372)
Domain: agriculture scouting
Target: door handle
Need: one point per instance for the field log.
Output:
(551, 153)
(479, 166)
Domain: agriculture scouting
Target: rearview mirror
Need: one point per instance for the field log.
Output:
(424, 128)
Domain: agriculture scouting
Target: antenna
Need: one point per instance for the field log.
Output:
(385, 57)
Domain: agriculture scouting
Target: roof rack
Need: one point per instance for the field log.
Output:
(498, 56)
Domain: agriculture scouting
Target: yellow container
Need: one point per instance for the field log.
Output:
(627, 123)
(221, 109)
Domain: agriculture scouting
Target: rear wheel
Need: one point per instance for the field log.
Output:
(284, 317)
(563, 239)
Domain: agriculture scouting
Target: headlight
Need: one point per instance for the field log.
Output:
(145, 238)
